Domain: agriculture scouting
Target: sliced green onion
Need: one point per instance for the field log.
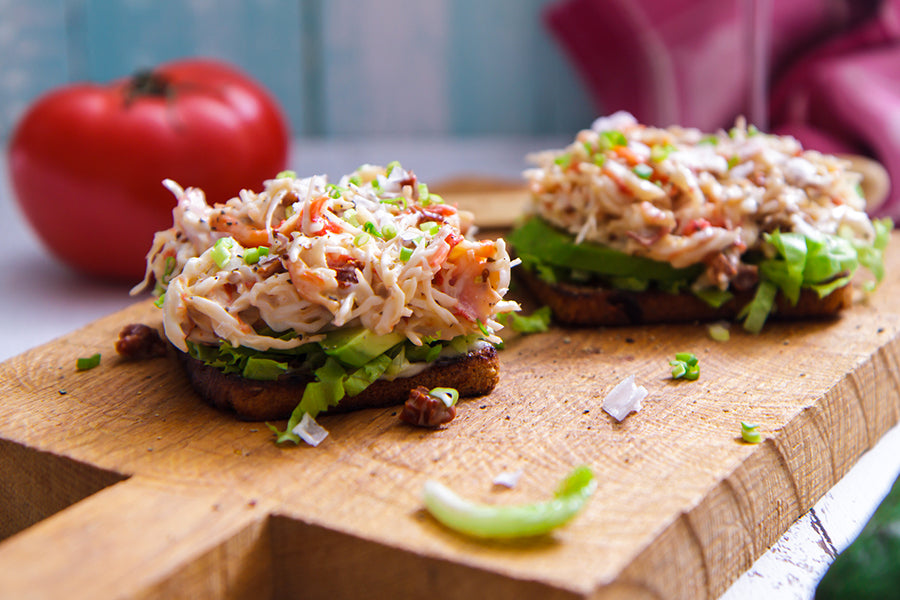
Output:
(252, 255)
(588, 148)
(659, 153)
(423, 192)
(405, 254)
(159, 301)
(599, 159)
(611, 139)
(643, 171)
(351, 217)
(510, 521)
(390, 167)
(389, 231)
(396, 201)
(429, 227)
(84, 364)
(355, 180)
(687, 357)
(434, 198)
(286, 174)
(484, 330)
(449, 396)
(564, 160)
(733, 161)
(335, 191)
(752, 130)
(685, 366)
(750, 433)
(361, 239)
(221, 252)
(369, 227)
(710, 140)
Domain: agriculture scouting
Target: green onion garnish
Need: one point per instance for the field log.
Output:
(369, 227)
(685, 366)
(434, 198)
(429, 227)
(660, 153)
(398, 201)
(733, 161)
(484, 330)
(389, 231)
(752, 130)
(405, 254)
(361, 239)
(710, 140)
(221, 252)
(599, 159)
(612, 139)
(643, 171)
(286, 174)
(252, 255)
(83, 364)
(423, 192)
(159, 301)
(448, 396)
(335, 191)
(511, 520)
(390, 167)
(355, 180)
(351, 217)
(564, 160)
(750, 433)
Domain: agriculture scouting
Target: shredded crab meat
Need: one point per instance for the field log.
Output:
(373, 251)
(682, 197)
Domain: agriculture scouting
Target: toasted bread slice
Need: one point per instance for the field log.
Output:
(589, 305)
(472, 374)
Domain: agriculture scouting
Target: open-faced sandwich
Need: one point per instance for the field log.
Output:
(638, 224)
(312, 297)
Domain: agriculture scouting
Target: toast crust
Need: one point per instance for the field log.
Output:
(587, 305)
(472, 374)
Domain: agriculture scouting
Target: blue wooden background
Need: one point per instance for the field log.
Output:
(338, 67)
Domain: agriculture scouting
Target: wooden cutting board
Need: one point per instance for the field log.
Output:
(153, 494)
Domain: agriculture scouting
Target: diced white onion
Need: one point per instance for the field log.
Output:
(508, 478)
(624, 399)
(309, 431)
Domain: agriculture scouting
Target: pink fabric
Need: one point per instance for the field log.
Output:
(825, 71)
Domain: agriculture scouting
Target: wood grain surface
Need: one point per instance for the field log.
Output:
(120, 482)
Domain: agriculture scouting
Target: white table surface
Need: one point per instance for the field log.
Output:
(41, 300)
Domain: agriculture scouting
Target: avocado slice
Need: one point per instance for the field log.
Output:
(357, 346)
(542, 242)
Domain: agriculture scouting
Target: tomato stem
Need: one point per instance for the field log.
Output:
(147, 82)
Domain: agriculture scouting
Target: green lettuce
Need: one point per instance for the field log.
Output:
(817, 261)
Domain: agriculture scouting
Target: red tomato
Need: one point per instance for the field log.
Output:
(87, 161)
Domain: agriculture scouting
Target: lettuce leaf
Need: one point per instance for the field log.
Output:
(819, 261)
(537, 322)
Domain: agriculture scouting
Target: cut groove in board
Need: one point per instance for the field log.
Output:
(35, 485)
